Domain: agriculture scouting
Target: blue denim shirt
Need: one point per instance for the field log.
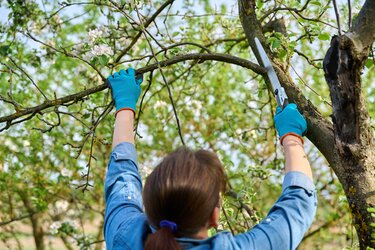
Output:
(126, 226)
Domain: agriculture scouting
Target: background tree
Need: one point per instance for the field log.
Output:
(202, 88)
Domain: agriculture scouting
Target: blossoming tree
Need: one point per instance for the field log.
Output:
(201, 88)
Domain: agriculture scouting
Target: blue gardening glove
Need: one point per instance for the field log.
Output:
(125, 89)
(290, 121)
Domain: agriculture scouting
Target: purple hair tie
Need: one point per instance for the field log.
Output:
(168, 224)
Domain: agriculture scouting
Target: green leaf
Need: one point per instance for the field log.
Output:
(103, 60)
(369, 63)
(4, 50)
(259, 4)
(282, 54)
(275, 43)
(317, 3)
(324, 36)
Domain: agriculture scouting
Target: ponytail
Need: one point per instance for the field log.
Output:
(180, 196)
(163, 239)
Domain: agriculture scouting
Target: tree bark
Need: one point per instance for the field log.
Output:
(343, 65)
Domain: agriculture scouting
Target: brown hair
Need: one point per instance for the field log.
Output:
(184, 188)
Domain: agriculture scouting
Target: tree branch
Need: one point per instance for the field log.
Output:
(362, 32)
(9, 119)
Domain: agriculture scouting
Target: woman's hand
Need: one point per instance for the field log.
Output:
(125, 89)
(289, 121)
(125, 92)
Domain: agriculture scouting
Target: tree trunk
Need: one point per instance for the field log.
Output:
(36, 223)
(353, 134)
(354, 140)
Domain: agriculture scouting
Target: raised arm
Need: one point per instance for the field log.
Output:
(293, 212)
(123, 184)
(291, 126)
(125, 90)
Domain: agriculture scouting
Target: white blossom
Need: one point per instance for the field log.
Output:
(61, 206)
(238, 131)
(10, 145)
(123, 41)
(160, 104)
(146, 171)
(71, 213)
(254, 87)
(253, 133)
(101, 49)
(51, 43)
(79, 47)
(35, 28)
(54, 227)
(66, 172)
(26, 143)
(97, 33)
(57, 19)
(72, 223)
(197, 105)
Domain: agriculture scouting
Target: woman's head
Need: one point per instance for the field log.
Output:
(185, 189)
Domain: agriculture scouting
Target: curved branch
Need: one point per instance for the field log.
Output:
(80, 95)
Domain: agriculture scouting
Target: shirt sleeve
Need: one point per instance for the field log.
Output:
(288, 219)
(123, 190)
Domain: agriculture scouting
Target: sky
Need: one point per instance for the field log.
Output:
(232, 6)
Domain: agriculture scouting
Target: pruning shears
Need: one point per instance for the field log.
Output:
(279, 92)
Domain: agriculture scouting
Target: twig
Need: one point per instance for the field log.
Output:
(146, 24)
(76, 118)
(10, 123)
(349, 14)
(310, 61)
(227, 219)
(11, 101)
(92, 133)
(317, 19)
(3, 223)
(337, 16)
(234, 195)
(141, 103)
(325, 225)
(65, 5)
(172, 81)
(166, 84)
(88, 166)
(50, 124)
(63, 51)
(27, 75)
(275, 9)
(308, 86)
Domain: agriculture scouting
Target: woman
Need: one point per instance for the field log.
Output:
(182, 195)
